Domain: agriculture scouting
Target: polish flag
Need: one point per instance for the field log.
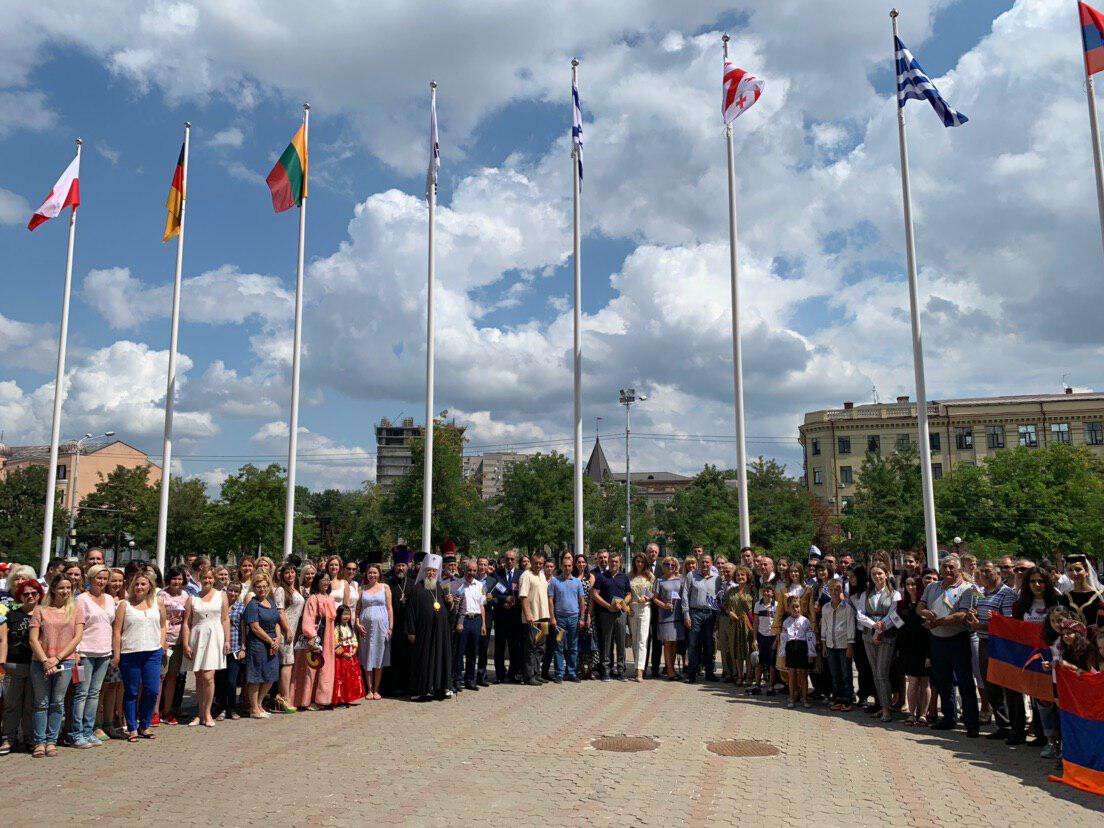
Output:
(741, 90)
(66, 193)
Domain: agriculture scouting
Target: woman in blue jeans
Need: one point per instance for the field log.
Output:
(138, 647)
(94, 652)
(56, 629)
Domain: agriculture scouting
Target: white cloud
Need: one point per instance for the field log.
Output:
(27, 345)
(221, 296)
(119, 388)
(322, 462)
(108, 152)
(230, 138)
(14, 209)
(21, 109)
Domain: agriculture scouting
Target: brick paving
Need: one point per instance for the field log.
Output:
(519, 753)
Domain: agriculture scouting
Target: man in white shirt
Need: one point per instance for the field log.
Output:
(471, 624)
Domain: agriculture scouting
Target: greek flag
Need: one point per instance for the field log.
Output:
(913, 83)
(577, 127)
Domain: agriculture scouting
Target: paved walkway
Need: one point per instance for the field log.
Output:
(516, 753)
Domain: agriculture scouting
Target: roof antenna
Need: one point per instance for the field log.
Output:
(1063, 381)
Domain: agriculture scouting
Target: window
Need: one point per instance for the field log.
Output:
(62, 471)
(1028, 437)
(933, 441)
(964, 438)
(816, 446)
(1094, 434)
(818, 477)
(994, 437)
(937, 471)
(847, 476)
(904, 443)
(843, 445)
(874, 444)
(1060, 433)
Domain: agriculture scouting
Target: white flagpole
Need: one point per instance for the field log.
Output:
(55, 432)
(427, 492)
(737, 350)
(293, 424)
(1095, 127)
(917, 342)
(170, 390)
(578, 350)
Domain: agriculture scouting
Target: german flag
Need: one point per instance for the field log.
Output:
(175, 202)
(288, 179)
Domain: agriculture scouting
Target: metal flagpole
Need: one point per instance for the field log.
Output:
(293, 425)
(427, 484)
(1095, 127)
(917, 343)
(628, 493)
(55, 432)
(578, 351)
(737, 349)
(170, 390)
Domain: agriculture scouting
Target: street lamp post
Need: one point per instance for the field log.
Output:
(628, 397)
(73, 483)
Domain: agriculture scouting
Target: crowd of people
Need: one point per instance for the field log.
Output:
(92, 652)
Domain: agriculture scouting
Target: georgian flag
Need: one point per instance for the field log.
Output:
(741, 90)
(66, 193)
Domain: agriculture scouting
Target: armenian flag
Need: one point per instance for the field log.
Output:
(1092, 37)
(288, 179)
(1016, 655)
(175, 202)
(1081, 706)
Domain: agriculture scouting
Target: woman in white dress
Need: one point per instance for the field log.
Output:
(289, 598)
(206, 636)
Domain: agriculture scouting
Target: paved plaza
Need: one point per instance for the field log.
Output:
(517, 753)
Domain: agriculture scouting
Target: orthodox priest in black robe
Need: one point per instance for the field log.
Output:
(401, 583)
(428, 634)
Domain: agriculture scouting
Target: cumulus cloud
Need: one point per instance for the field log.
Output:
(218, 297)
(230, 138)
(119, 388)
(27, 345)
(1007, 237)
(14, 209)
(322, 461)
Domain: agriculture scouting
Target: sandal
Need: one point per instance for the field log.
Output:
(5, 748)
(132, 737)
(39, 751)
(147, 734)
(51, 751)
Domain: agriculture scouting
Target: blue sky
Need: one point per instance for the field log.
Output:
(819, 198)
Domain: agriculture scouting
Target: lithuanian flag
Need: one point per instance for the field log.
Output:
(175, 202)
(288, 179)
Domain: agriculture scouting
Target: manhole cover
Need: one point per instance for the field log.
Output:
(625, 744)
(742, 747)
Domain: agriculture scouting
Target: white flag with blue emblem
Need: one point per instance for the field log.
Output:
(913, 83)
(434, 147)
(577, 127)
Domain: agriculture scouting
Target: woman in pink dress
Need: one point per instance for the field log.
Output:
(312, 677)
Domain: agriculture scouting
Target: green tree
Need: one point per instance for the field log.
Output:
(250, 512)
(122, 504)
(191, 517)
(780, 510)
(22, 493)
(702, 513)
(537, 506)
(458, 511)
(1033, 500)
(887, 511)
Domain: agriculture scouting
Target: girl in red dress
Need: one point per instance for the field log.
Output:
(348, 685)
